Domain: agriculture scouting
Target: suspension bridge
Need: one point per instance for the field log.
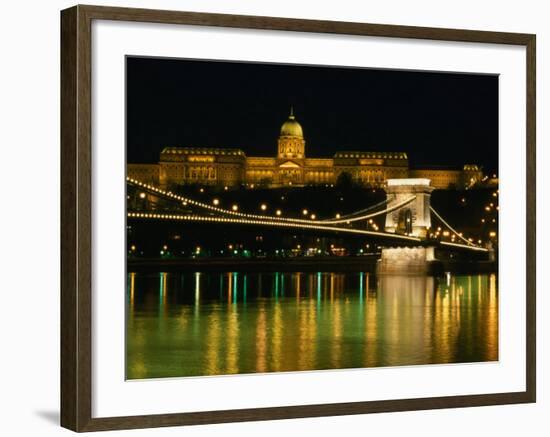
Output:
(407, 211)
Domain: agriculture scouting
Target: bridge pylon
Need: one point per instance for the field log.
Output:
(414, 217)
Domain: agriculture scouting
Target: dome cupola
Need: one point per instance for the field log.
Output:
(291, 139)
(291, 128)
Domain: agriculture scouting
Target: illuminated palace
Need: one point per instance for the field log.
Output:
(231, 167)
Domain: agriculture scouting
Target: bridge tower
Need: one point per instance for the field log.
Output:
(414, 217)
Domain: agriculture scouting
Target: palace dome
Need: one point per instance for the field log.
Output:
(291, 128)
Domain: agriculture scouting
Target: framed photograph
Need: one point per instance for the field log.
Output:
(268, 218)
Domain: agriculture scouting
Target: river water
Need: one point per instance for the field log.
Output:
(190, 324)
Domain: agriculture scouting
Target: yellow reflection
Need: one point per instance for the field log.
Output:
(138, 368)
(480, 294)
(403, 320)
(337, 330)
(307, 335)
(445, 326)
(213, 337)
(163, 289)
(132, 289)
(232, 358)
(371, 332)
(428, 321)
(276, 338)
(492, 320)
(261, 339)
(310, 285)
(185, 317)
(197, 290)
(428, 312)
(492, 287)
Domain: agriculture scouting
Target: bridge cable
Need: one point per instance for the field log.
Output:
(179, 217)
(468, 242)
(361, 211)
(368, 216)
(172, 196)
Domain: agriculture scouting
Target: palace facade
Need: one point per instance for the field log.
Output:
(231, 167)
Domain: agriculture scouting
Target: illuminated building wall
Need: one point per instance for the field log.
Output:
(148, 173)
(231, 167)
(445, 178)
(203, 166)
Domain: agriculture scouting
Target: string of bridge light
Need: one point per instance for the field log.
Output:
(468, 246)
(189, 217)
(369, 216)
(458, 234)
(179, 217)
(185, 201)
(340, 220)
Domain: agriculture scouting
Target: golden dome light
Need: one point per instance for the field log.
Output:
(291, 128)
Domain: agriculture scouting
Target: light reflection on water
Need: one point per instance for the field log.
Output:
(188, 324)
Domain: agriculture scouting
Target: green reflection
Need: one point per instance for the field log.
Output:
(245, 287)
(361, 291)
(327, 320)
(235, 288)
(276, 285)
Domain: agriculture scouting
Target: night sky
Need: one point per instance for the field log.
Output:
(439, 119)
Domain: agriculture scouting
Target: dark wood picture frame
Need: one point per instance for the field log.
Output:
(76, 218)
